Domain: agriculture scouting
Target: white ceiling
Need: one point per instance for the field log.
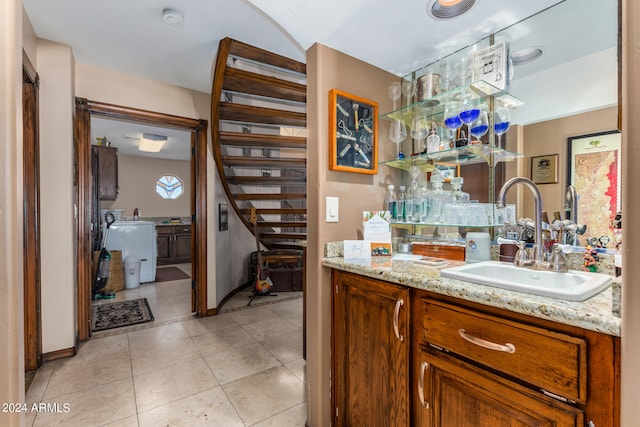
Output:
(130, 36)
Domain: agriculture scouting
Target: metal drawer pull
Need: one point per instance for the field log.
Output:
(507, 348)
(396, 313)
(423, 367)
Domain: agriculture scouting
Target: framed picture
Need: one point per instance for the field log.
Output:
(594, 169)
(544, 169)
(353, 133)
(223, 217)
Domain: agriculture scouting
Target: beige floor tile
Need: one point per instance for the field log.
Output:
(172, 383)
(93, 407)
(222, 340)
(266, 394)
(152, 339)
(207, 324)
(131, 421)
(243, 317)
(69, 376)
(298, 368)
(270, 328)
(170, 353)
(100, 350)
(294, 417)
(286, 347)
(240, 362)
(211, 408)
(40, 383)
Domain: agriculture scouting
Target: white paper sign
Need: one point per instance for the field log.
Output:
(357, 249)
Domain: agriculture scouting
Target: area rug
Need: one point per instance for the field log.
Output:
(118, 314)
(167, 274)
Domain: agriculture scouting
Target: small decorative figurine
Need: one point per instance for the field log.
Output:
(591, 258)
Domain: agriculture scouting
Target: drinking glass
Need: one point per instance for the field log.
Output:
(394, 91)
(452, 117)
(419, 128)
(502, 122)
(448, 73)
(480, 126)
(469, 112)
(397, 134)
(408, 90)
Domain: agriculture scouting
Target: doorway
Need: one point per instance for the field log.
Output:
(85, 110)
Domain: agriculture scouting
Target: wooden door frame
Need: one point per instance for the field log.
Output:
(85, 110)
(31, 209)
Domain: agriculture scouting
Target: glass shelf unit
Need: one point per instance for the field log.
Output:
(468, 155)
(433, 108)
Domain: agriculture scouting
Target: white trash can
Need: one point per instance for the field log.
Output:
(131, 272)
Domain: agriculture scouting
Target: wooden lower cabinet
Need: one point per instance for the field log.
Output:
(370, 364)
(174, 244)
(438, 361)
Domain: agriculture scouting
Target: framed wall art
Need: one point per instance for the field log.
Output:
(544, 169)
(594, 169)
(223, 217)
(353, 133)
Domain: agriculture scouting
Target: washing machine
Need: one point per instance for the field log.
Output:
(136, 238)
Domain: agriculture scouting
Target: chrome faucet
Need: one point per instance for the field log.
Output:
(571, 204)
(538, 252)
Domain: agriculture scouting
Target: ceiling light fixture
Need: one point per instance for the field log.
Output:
(173, 17)
(526, 55)
(447, 9)
(152, 143)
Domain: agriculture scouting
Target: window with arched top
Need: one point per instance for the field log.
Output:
(169, 187)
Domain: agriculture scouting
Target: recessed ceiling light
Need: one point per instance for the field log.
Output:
(447, 9)
(526, 55)
(173, 17)
(152, 143)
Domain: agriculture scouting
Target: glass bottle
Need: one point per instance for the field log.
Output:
(391, 202)
(402, 204)
(424, 207)
(412, 202)
(457, 195)
(433, 140)
(437, 198)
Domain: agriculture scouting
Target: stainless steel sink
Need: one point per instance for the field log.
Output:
(572, 285)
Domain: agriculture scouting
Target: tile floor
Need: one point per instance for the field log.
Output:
(243, 367)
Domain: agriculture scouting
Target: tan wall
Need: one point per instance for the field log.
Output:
(29, 39)
(57, 221)
(137, 178)
(11, 251)
(327, 69)
(551, 137)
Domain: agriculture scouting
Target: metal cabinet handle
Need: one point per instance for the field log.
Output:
(396, 314)
(423, 367)
(507, 348)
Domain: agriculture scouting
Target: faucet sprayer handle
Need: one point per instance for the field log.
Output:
(559, 248)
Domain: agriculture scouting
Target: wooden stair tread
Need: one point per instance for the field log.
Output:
(269, 196)
(273, 224)
(267, 180)
(290, 235)
(261, 115)
(242, 81)
(259, 162)
(288, 259)
(240, 139)
(276, 211)
(293, 245)
(243, 50)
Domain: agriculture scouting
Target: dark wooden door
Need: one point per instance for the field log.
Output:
(370, 355)
(458, 394)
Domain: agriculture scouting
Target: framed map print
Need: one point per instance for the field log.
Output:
(594, 169)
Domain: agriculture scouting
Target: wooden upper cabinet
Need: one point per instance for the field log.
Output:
(107, 161)
(370, 354)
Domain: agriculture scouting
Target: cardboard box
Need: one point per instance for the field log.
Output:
(115, 282)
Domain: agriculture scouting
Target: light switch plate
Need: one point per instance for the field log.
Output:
(332, 209)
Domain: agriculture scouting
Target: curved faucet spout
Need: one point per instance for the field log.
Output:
(571, 203)
(502, 197)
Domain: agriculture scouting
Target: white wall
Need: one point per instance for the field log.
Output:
(58, 272)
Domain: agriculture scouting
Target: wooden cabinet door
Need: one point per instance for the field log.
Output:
(182, 244)
(370, 353)
(164, 245)
(107, 172)
(458, 394)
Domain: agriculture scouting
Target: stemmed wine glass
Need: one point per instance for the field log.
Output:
(502, 122)
(480, 126)
(394, 91)
(468, 113)
(452, 117)
(397, 134)
(419, 127)
(408, 90)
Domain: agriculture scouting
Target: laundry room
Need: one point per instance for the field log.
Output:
(141, 220)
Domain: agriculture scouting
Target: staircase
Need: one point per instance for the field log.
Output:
(258, 128)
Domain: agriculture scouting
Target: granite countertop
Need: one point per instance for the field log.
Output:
(596, 313)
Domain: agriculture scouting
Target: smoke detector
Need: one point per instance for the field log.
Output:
(173, 17)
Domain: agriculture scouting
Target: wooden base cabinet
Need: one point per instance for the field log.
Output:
(174, 244)
(370, 357)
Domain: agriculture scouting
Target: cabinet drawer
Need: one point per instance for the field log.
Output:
(552, 361)
(164, 229)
